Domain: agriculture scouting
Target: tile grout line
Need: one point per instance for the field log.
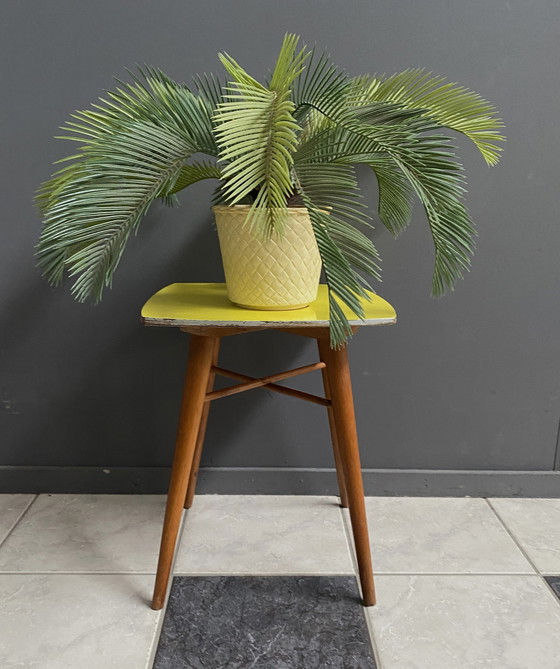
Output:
(154, 643)
(349, 539)
(524, 552)
(273, 573)
(159, 627)
(512, 536)
(371, 633)
(18, 521)
(374, 640)
(421, 574)
(77, 573)
(369, 623)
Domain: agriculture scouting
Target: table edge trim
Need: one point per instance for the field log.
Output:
(179, 322)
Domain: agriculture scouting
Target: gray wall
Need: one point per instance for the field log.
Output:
(469, 382)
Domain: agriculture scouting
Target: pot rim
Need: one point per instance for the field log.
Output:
(221, 207)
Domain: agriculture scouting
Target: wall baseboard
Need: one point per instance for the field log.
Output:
(281, 481)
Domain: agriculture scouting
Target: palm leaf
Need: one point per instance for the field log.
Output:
(449, 104)
(89, 221)
(436, 176)
(322, 84)
(330, 193)
(425, 158)
(256, 132)
(342, 280)
(191, 173)
(155, 97)
(134, 145)
(341, 146)
(210, 89)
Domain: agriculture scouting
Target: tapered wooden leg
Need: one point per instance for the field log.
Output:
(201, 432)
(322, 343)
(199, 364)
(340, 386)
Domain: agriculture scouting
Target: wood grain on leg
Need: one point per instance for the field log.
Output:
(201, 431)
(199, 366)
(340, 475)
(340, 386)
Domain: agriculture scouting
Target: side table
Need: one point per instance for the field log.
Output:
(204, 311)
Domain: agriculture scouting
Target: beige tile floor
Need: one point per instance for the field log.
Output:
(459, 580)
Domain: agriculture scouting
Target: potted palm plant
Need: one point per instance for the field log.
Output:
(284, 154)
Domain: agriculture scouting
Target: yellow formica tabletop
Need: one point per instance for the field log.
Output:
(207, 304)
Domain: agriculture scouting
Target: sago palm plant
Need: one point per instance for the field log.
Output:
(294, 140)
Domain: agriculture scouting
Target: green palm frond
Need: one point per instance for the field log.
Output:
(330, 193)
(48, 192)
(189, 174)
(193, 172)
(425, 158)
(341, 146)
(257, 134)
(87, 226)
(342, 280)
(448, 104)
(429, 163)
(155, 97)
(323, 85)
(289, 65)
(436, 176)
(394, 192)
(210, 89)
(134, 145)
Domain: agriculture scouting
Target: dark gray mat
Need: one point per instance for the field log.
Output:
(268, 622)
(554, 582)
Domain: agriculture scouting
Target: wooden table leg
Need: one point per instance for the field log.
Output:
(340, 386)
(340, 475)
(201, 351)
(201, 431)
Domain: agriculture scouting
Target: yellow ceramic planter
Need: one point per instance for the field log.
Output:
(277, 273)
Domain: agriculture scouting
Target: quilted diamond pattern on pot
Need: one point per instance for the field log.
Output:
(275, 273)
